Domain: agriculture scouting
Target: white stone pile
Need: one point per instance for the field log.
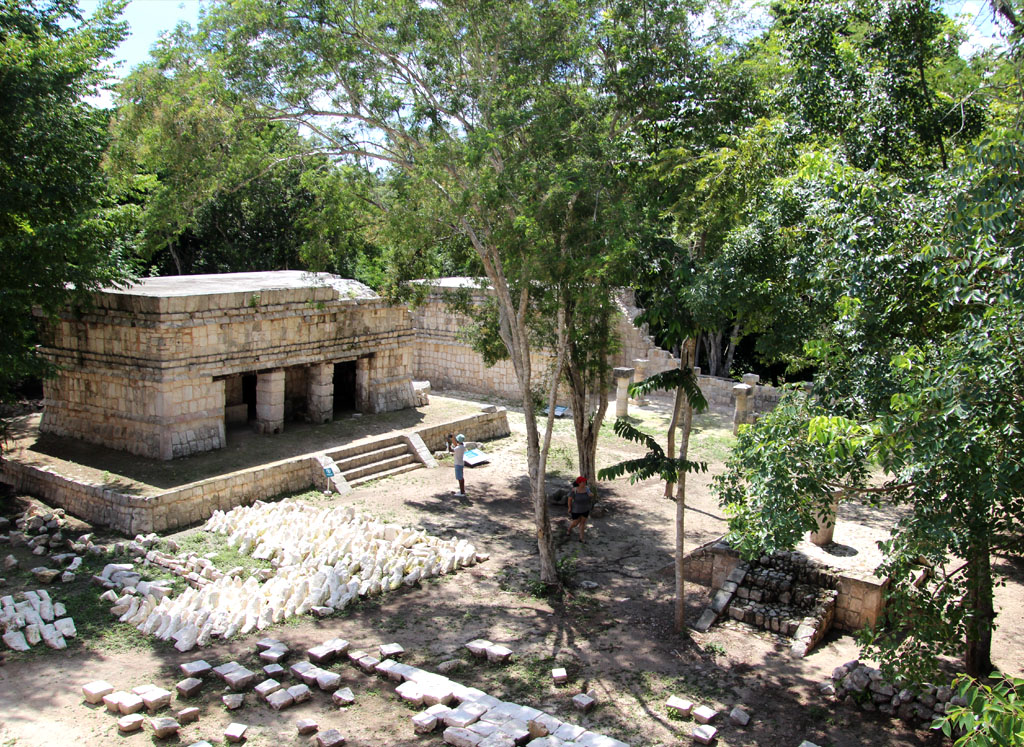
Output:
(34, 618)
(325, 558)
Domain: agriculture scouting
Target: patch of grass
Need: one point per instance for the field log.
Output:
(224, 556)
(715, 648)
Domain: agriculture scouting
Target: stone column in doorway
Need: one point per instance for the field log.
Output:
(363, 400)
(270, 401)
(622, 376)
(320, 393)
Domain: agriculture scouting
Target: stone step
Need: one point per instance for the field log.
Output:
(352, 450)
(387, 473)
(381, 465)
(348, 463)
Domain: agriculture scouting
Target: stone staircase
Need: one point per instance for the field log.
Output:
(356, 464)
(783, 593)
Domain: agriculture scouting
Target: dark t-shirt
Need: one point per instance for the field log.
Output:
(581, 502)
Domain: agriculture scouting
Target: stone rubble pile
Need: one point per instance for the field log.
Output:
(863, 686)
(325, 558)
(35, 618)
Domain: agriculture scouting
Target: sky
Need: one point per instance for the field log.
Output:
(148, 19)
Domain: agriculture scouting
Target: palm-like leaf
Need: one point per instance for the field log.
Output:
(674, 378)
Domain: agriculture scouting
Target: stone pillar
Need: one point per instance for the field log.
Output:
(741, 414)
(622, 377)
(640, 366)
(320, 392)
(364, 399)
(751, 379)
(270, 401)
(827, 522)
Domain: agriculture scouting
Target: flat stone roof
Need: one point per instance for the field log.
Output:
(241, 282)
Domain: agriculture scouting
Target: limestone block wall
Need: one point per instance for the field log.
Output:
(388, 380)
(189, 504)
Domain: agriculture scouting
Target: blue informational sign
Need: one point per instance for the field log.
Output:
(328, 472)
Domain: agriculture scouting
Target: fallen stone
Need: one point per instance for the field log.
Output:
(479, 647)
(113, 701)
(384, 668)
(93, 692)
(189, 687)
(568, 732)
(411, 693)
(343, 697)
(705, 734)
(423, 722)
(498, 654)
(274, 670)
(322, 654)
(156, 698)
(299, 668)
(461, 737)
(164, 727)
(130, 703)
(583, 702)
(235, 732)
(66, 627)
(300, 693)
(679, 706)
(223, 669)
(391, 651)
(449, 666)
(15, 640)
(196, 668)
(466, 714)
(130, 723)
(704, 714)
(559, 676)
(10, 562)
(267, 688)
(240, 679)
(274, 655)
(264, 643)
(309, 676)
(706, 620)
(328, 681)
(330, 738)
(739, 717)
(45, 575)
(280, 699)
(188, 715)
(368, 663)
(307, 726)
(233, 701)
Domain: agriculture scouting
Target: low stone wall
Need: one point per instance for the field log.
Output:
(859, 602)
(195, 502)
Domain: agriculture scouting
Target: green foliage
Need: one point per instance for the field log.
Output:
(654, 463)
(993, 716)
(61, 234)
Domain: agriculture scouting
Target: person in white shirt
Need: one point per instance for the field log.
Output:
(457, 446)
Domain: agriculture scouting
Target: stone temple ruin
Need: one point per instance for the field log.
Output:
(162, 367)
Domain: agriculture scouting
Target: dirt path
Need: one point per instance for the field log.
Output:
(615, 638)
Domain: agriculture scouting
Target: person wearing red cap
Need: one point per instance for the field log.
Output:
(580, 503)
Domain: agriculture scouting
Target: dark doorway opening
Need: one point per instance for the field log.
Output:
(249, 395)
(344, 387)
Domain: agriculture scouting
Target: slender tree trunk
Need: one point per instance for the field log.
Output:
(730, 351)
(679, 623)
(715, 353)
(978, 655)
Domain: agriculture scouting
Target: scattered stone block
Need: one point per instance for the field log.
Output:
(498, 654)
(465, 714)
(583, 702)
(156, 698)
(449, 666)
(274, 671)
(130, 723)
(309, 676)
(15, 640)
(113, 701)
(300, 693)
(189, 687)
(235, 732)
(164, 727)
(437, 692)
(280, 699)
(222, 670)
(93, 692)
(188, 715)
(240, 679)
(45, 575)
(458, 736)
(497, 739)
(568, 732)
(368, 663)
(233, 701)
(265, 643)
(411, 693)
(479, 647)
(679, 706)
(705, 734)
(267, 688)
(307, 726)
(299, 668)
(330, 738)
(196, 668)
(322, 654)
(706, 620)
(343, 697)
(340, 645)
(704, 714)
(739, 717)
(423, 722)
(354, 655)
(384, 668)
(143, 689)
(274, 655)
(328, 681)
(130, 703)
(559, 676)
(391, 651)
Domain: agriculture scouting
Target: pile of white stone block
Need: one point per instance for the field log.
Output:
(34, 618)
(704, 732)
(324, 559)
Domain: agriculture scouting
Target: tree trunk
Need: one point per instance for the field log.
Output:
(679, 624)
(978, 655)
(589, 406)
(714, 353)
(730, 351)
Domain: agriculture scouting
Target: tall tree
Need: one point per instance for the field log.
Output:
(59, 228)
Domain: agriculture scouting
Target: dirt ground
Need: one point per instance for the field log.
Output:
(614, 638)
